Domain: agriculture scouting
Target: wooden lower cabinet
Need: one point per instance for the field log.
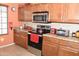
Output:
(68, 51)
(49, 49)
(16, 38)
(21, 38)
(53, 47)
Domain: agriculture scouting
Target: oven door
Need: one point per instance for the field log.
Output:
(37, 45)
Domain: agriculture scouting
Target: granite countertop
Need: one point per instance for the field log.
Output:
(74, 39)
(23, 30)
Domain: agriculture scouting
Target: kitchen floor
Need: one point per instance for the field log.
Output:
(14, 50)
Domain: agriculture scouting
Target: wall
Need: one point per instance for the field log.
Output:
(12, 17)
(34, 25)
(71, 27)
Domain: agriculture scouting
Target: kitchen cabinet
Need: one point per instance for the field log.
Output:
(25, 13)
(21, 38)
(64, 12)
(68, 51)
(40, 7)
(69, 44)
(61, 12)
(70, 12)
(73, 13)
(58, 12)
(55, 12)
(53, 46)
(68, 48)
(49, 48)
(28, 13)
(21, 13)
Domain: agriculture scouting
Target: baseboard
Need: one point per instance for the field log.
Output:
(6, 45)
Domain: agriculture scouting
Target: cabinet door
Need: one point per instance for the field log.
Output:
(40, 7)
(55, 12)
(72, 44)
(21, 38)
(73, 13)
(50, 39)
(21, 13)
(68, 51)
(16, 38)
(28, 13)
(50, 46)
(23, 41)
(64, 12)
(49, 49)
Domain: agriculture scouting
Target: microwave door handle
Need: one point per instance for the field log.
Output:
(44, 18)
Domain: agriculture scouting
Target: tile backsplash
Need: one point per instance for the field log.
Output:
(71, 27)
(66, 26)
(34, 25)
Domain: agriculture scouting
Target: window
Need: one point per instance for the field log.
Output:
(3, 20)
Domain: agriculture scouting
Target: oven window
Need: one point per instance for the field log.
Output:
(3, 20)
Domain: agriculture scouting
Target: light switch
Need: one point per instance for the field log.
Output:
(1, 39)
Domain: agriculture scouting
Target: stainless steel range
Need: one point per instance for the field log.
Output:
(35, 39)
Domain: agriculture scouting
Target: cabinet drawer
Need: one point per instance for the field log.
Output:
(50, 39)
(67, 51)
(23, 34)
(69, 44)
(51, 43)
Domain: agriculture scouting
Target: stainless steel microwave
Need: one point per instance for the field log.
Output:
(40, 17)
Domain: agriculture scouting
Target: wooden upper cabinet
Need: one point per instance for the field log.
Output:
(70, 13)
(58, 12)
(55, 12)
(73, 13)
(40, 7)
(28, 12)
(64, 12)
(25, 13)
(21, 13)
